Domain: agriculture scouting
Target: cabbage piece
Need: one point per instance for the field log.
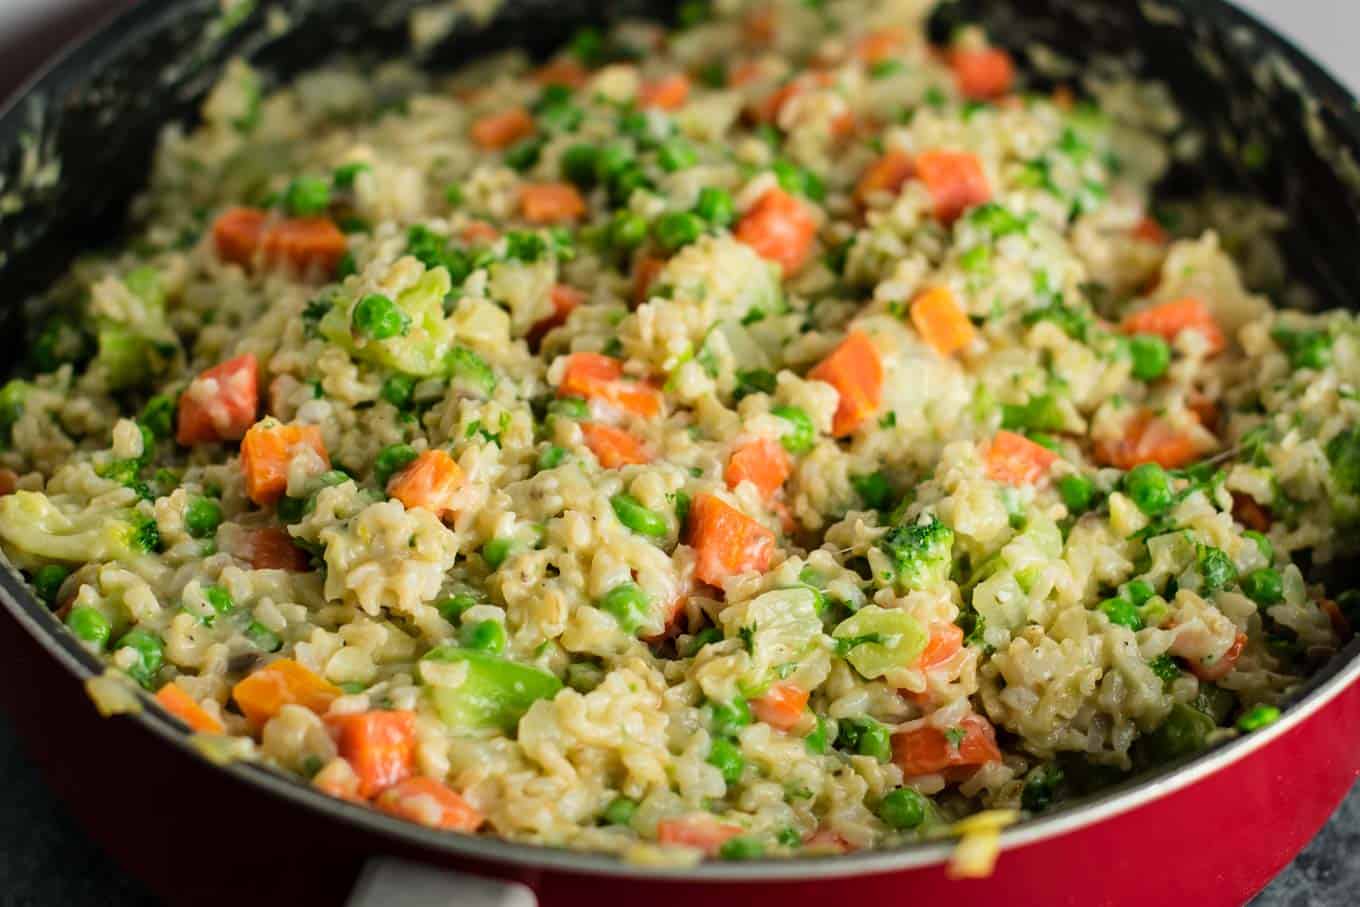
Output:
(778, 629)
(36, 531)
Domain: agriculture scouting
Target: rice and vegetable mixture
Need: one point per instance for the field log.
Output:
(774, 435)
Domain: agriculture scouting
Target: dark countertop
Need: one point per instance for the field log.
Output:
(46, 860)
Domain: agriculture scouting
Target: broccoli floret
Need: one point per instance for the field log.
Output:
(12, 397)
(60, 341)
(1216, 568)
(921, 554)
(135, 346)
(469, 371)
(1343, 452)
(35, 531)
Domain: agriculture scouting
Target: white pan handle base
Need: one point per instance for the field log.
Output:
(388, 882)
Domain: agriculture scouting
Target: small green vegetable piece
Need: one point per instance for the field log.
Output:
(1263, 544)
(551, 457)
(741, 848)
(638, 518)
(725, 756)
(495, 692)
(47, 582)
(398, 389)
(89, 625)
(1040, 788)
(1164, 666)
(677, 229)
(1184, 731)
(307, 196)
(704, 637)
(202, 516)
(903, 809)
(1306, 349)
(1258, 717)
(263, 638)
(1264, 586)
(159, 416)
(378, 318)
(1078, 492)
(676, 154)
(866, 737)
(150, 655)
(728, 718)
(452, 608)
(1148, 485)
(1216, 568)
(579, 164)
(816, 742)
(627, 231)
(484, 636)
(802, 434)
(469, 371)
(1122, 613)
(496, 551)
(343, 176)
(921, 553)
(716, 206)
(619, 811)
(573, 408)
(1151, 356)
(1343, 452)
(390, 461)
(628, 605)
(873, 490)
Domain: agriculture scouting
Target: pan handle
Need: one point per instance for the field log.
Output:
(389, 882)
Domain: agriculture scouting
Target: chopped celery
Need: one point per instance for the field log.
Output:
(495, 692)
(876, 640)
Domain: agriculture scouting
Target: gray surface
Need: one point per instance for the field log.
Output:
(45, 860)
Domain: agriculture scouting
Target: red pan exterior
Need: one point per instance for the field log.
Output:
(203, 837)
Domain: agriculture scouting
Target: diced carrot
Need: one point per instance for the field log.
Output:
(564, 299)
(941, 321)
(1204, 409)
(1220, 667)
(763, 463)
(614, 447)
(1168, 319)
(379, 745)
(247, 236)
(272, 548)
(562, 71)
(1016, 460)
(500, 130)
(220, 404)
(885, 175)
(267, 449)
(781, 229)
(666, 93)
(928, 749)
(184, 707)
(726, 542)
(551, 203)
(599, 377)
(1148, 230)
(955, 181)
(480, 233)
(757, 26)
(782, 705)
(982, 74)
(945, 641)
(743, 73)
(698, 830)
(9, 482)
(1147, 438)
(282, 682)
(1337, 618)
(1249, 513)
(769, 108)
(879, 45)
(429, 482)
(645, 272)
(855, 370)
(429, 801)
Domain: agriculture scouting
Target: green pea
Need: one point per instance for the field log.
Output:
(398, 389)
(741, 847)
(573, 408)
(1150, 488)
(638, 518)
(1264, 586)
(788, 836)
(47, 581)
(453, 194)
(1151, 356)
(682, 504)
(496, 551)
(627, 231)
(706, 636)
(551, 457)
(620, 811)
(1138, 592)
(1258, 717)
(803, 434)
(523, 155)
(452, 608)
(218, 599)
(676, 154)
(1122, 613)
(903, 809)
(579, 164)
(307, 196)
(873, 490)
(202, 516)
(584, 676)
(392, 460)
(378, 318)
(1262, 544)
(716, 206)
(263, 638)
(725, 756)
(611, 161)
(678, 229)
(89, 625)
(728, 718)
(1077, 492)
(150, 654)
(159, 416)
(628, 605)
(866, 737)
(819, 739)
(484, 636)
(343, 176)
